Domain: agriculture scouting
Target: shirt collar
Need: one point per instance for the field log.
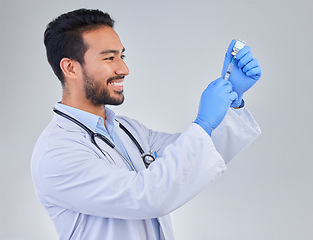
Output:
(86, 118)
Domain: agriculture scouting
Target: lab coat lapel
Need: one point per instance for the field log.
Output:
(116, 157)
(166, 227)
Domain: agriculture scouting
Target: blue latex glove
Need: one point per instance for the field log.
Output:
(245, 73)
(214, 104)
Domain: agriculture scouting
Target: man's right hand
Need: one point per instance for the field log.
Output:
(214, 104)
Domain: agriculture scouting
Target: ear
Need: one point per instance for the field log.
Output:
(69, 68)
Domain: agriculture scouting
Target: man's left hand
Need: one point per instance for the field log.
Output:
(245, 73)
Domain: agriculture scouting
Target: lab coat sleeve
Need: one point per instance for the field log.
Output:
(69, 174)
(157, 141)
(235, 133)
(237, 130)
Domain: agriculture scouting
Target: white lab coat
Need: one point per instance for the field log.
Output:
(87, 197)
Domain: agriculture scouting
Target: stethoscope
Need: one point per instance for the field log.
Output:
(146, 157)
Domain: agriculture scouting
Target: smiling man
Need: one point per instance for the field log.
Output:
(98, 80)
(101, 176)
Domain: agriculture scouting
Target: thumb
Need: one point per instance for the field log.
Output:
(230, 48)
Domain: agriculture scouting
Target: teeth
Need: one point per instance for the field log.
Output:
(117, 83)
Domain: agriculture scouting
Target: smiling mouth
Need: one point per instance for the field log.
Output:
(117, 81)
(118, 84)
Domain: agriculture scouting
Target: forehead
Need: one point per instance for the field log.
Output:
(102, 38)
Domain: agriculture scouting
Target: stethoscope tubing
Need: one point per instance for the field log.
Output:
(147, 158)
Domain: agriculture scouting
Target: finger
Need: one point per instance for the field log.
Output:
(243, 52)
(253, 64)
(255, 73)
(220, 81)
(244, 60)
(228, 83)
(228, 88)
(233, 96)
(224, 85)
(215, 82)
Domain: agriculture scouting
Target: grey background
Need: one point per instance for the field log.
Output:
(174, 49)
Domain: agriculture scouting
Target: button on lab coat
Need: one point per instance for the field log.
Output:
(96, 197)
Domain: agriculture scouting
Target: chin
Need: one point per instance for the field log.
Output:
(117, 101)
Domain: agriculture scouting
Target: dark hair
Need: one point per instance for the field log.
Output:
(63, 36)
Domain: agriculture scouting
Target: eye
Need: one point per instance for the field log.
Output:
(109, 58)
(123, 56)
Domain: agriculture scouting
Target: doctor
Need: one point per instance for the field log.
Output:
(95, 190)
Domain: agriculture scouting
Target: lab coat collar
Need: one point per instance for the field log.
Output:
(88, 119)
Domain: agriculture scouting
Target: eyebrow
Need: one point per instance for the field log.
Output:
(111, 51)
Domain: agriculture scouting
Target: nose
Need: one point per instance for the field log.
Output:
(122, 68)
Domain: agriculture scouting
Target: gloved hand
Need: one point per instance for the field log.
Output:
(214, 104)
(245, 73)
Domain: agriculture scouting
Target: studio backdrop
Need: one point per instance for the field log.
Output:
(174, 49)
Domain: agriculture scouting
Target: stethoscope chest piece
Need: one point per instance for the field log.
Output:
(147, 159)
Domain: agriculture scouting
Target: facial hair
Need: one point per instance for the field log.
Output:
(98, 94)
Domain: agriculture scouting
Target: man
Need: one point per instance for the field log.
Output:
(98, 187)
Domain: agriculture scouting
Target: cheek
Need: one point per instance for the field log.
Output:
(98, 68)
(103, 73)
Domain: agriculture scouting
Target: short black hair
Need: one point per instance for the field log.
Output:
(63, 36)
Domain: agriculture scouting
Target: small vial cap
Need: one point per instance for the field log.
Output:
(238, 46)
